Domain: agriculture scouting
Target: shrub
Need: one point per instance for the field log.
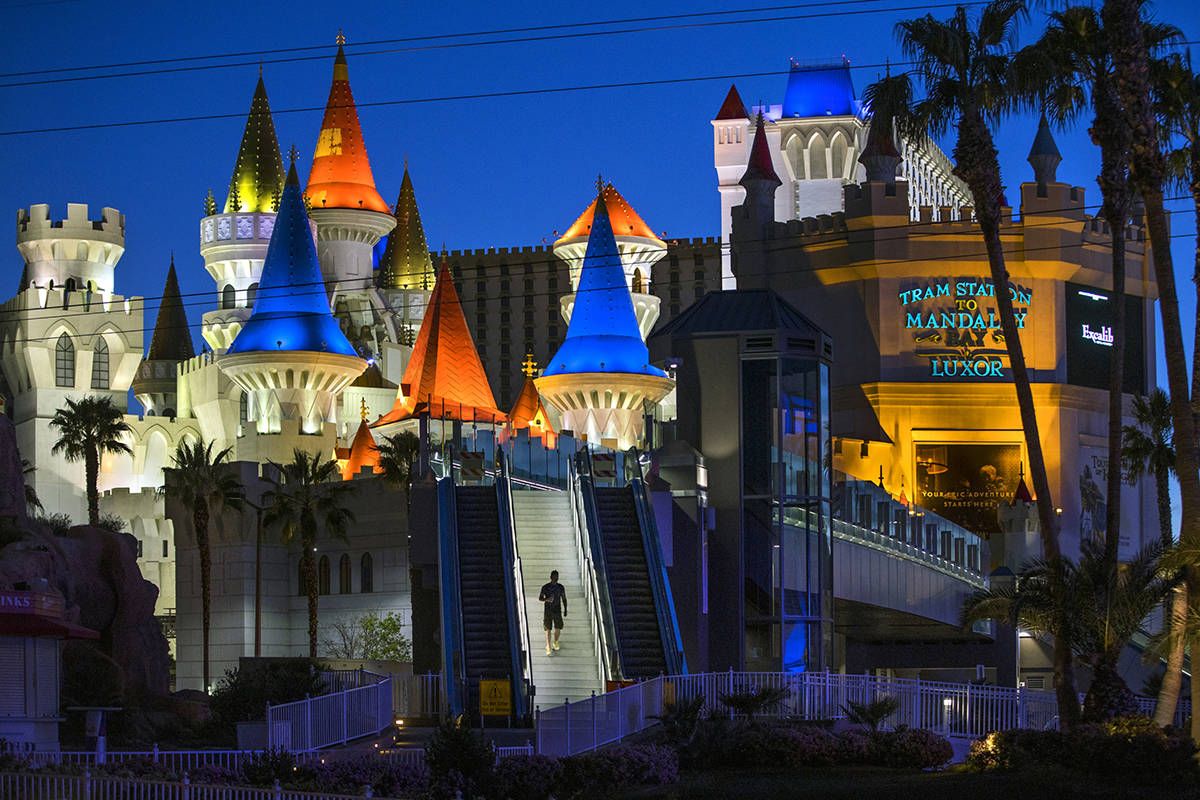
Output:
(112, 523)
(459, 759)
(352, 776)
(214, 775)
(913, 748)
(1121, 746)
(872, 714)
(535, 777)
(601, 772)
(242, 695)
(58, 524)
(140, 768)
(263, 769)
(679, 720)
(749, 704)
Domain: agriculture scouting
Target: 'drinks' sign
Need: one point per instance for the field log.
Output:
(956, 325)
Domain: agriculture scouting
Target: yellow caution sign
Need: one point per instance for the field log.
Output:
(495, 698)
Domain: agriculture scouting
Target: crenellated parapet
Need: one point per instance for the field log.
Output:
(75, 252)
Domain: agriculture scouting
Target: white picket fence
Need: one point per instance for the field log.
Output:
(40, 786)
(952, 709)
(330, 719)
(180, 761)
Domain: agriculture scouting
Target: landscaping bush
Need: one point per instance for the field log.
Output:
(913, 748)
(263, 769)
(352, 776)
(459, 760)
(215, 775)
(534, 777)
(601, 772)
(144, 769)
(242, 695)
(1122, 746)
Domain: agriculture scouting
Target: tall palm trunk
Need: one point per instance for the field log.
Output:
(978, 165)
(1116, 397)
(1172, 682)
(308, 564)
(91, 475)
(200, 523)
(1148, 170)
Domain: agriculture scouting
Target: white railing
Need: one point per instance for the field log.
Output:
(179, 761)
(588, 572)
(43, 786)
(418, 696)
(952, 709)
(330, 719)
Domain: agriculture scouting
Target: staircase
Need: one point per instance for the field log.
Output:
(546, 541)
(638, 637)
(486, 651)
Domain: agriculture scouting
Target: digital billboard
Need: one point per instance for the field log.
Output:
(1089, 313)
(966, 482)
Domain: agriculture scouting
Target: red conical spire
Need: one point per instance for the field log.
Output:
(760, 167)
(733, 107)
(341, 174)
(444, 374)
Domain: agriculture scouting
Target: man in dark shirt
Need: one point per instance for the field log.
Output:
(554, 596)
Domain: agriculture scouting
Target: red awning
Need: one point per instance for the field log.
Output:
(31, 625)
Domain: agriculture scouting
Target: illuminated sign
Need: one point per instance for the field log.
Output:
(1090, 338)
(956, 325)
(1103, 336)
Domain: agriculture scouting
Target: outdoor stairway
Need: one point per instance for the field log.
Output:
(482, 573)
(639, 640)
(546, 541)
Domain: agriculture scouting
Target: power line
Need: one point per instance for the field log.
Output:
(319, 288)
(552, 263)
(931, 228)
(352, 48)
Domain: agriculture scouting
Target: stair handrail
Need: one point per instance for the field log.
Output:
(587, 571)
(660, 583)
(514, 593)
(451, 599)
(591, 538)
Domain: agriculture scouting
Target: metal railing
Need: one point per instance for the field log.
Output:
(418, 696)
(588, 520)
(951, 709)
(330, 719)
(180, 761)
(591, 591)
(44, 786)
(514, 594)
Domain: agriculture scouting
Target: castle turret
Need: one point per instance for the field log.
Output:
(75, 253)
(601, 378)
(406, 275)
(731, 143)
(1044, 156)
(637, 245)
(155, 383)
(351, 217)
(760, 180)
(880, 157)
(234, 241)
(291, 356)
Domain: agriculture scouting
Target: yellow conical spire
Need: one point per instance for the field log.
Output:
(258, 174)
(405, 263)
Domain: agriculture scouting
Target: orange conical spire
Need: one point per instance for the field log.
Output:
(625, 221)
(444, 374)
(341, 174)
(363, 453)
(528, 411)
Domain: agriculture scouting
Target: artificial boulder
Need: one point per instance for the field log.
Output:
(12, 477)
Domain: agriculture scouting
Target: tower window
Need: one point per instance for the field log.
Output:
(228, 297)
(323, 575)
(251, 295)
(480, 288)
(64, 362)
(554, 282)
(344, 573)
(244, 406)
(100, 364)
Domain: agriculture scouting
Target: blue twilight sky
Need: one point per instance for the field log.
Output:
(488, 171)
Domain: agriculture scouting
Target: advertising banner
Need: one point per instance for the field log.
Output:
(1093, 501)
(965, 482)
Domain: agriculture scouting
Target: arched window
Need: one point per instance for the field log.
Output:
(839, 156)
(323, 575)
(100, 364)
(228, 297)
(244, 406)
(344, 574)
(251, 295)
(64, 362)
(638, 286)
(366, 578)
(71, 284)
(817, 168)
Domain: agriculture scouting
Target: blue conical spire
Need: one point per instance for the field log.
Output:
(291, 309)
(603, 333)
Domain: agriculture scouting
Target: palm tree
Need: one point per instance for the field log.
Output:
(1065, 72)
(204, 483)
(1147, 166)
(87, 430)
(965, 67)
(397, 455)
(32, 501)
(1150, 450)
(308, 495)
(1102, 614)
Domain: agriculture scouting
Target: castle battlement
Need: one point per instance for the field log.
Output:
(35, 298)
(35, 223)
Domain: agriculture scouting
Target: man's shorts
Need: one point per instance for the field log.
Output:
(552, 618)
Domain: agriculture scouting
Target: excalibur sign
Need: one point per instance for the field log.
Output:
(956, 329)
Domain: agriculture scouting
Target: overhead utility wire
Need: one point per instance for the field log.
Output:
(552, 262)
(520, 40)
(431, 37)
(443, 98)
(319, 288)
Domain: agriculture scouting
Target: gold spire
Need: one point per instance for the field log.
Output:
(258, 172)
(363, 410)
(341, 40)
(405, 263)
(529, 366)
